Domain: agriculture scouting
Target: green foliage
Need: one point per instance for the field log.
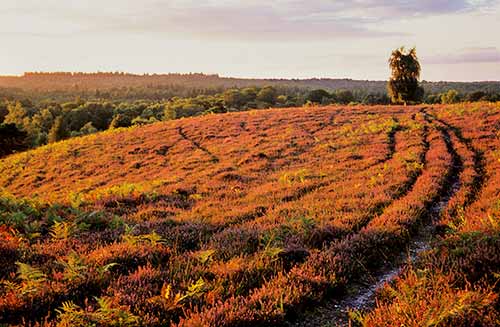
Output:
(87, 129)
(272, 252)
(204, 256)
(153, 238)
(3, 111)
(170, 112)
(139, 121)
(403, 85)
(62, 230)
(318, 96)
(12, 139)
(249, 94)
(75, 199)
(450, 97)
(194, 291)
(71, 315)
(106, 315)
(32, 278)
(267, 95)
(74, 267)
(120, 120)
(233, 98)
(57, 131)
(17, 114)
(344, 96)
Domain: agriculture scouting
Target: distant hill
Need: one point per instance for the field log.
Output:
(67, 81)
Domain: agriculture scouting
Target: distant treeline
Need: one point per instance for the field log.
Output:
(36, 114)
(164, 86)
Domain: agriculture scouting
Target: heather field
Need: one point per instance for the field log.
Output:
(259, 218)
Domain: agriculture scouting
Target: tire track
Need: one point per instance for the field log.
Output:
(480, 177)
(213, 157)
(404, 192)
(362, 295)
(391, 146)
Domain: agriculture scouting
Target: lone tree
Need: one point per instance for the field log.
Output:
(403, 85)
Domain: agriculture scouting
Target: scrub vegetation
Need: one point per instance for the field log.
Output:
(252, 218)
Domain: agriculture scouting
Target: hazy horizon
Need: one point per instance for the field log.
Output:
(283, 39)
(243, 77)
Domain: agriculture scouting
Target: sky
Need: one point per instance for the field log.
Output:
(455, 40)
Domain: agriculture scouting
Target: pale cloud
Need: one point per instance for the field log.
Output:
(468, 55)
(281, 20)
(250, 38)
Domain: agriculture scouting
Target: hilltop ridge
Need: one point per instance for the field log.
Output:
(45, 81)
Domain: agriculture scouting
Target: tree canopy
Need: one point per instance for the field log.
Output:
(12, 139)
(403, 86)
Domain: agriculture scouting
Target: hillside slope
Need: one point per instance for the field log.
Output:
(236, 219)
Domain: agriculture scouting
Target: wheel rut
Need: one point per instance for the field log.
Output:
(361, 295)
(479, 161)
(213, 157)
(404, 190)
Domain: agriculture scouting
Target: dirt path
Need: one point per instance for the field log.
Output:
(361, 295)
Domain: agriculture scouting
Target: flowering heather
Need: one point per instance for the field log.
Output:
(253, 218)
